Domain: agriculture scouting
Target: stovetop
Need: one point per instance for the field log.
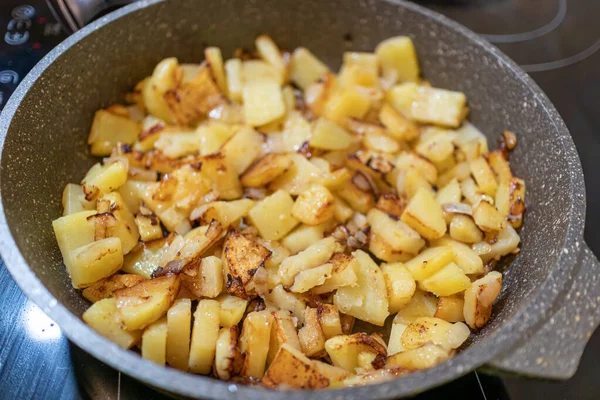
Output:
(556, 41)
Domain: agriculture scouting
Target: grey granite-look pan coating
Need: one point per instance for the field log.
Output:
(550, 301)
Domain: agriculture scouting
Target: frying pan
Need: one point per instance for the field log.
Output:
(550, 303)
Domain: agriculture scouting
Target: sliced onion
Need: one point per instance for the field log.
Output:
(458, 208)
(174, 248)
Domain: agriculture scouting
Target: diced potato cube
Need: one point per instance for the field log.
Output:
(396, 233)
(395, 341)
(73, 200)
(215, 62)
(450, 308)
(423, 357)
(314, 206)
(228, 359)
(132, 192)
(464, 229)
(95, 261)
(341, 211)
(410, 181)
(288, 301)
(335, 374)
(328, 135)
(106, 287)
(359, 68)
(479, 299)
(254, 341)
(291, 368)
(365, 360)
(225, 212)
(269, 52)
(315, 255)
(301, 175)
(108, 129)
(464, 256)
(265, 170)
(380, 142)
(73, 231)
(398, 126)
(397, 58)
(447, 281)
(205, 333)
(164, 78)
(154, 342)
(243, 148)
(145, 260)
(400, 285)
(510, 200)
(347, 103)
(204, 279)
(146, 302)
(424, 215)
(197, 241)
(471, 191)
(329, 318)
(223, 176)
(500, 166)
(484, 176)
(231, 310)
(273, 215)
(283, 331)
(308, 279)
(126, 228)
(360, 197)
(343, 274)
(242, 256)
(104, 179)
(296, 131)
(406, 160)
(260, 71)
(175, 145)
(212, 136)
(429, 262)
(422, 304)
(471, 141)
(102, 317)
(305, 68)
(381, 249)
(179, 322)
(233, 71)
(344, 349)
(263, 102)
(437, 146)
(507, 241)
(429, 105)
(487, 218)
(302, 237)
(366, 301)
(450, 193)
(311, 336)
(148, 227)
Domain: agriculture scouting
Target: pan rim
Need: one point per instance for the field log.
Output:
(504, 338)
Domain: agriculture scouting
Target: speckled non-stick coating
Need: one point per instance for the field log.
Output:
(45, 125)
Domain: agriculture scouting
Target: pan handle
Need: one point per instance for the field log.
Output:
(554, 351)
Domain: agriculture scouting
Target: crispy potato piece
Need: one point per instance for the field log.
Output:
(228, 358)
(429, 262)
(108, 129)
(424, 215)
(283, 331)
(154, 342)
(391, 204)
(464, 229)
(347, 103)
(242, 256)
(232, 309)
(265, 170)
(103, 179)
(204, 279)
(358, 193)
(146, 259)
(73, 200)
(450, 308)
(126, 228)
(423, 357)
(273, 216)
(223, 176)
(398, 59)
(263, 102)
(396, 233)
(328, 135)
(344, 349)
(314, 206)
(367, 301)
(179, 322)
(395, 340)
(329, 319)
(243, 148)
(435, 144)
(302, 237)
(342, 274)
(288, 301)
(214, 60)
(306, 68)
(148, 227)
(315, 255)
(309, 278)
(400, 285)
(106, 287)
(479, 299)
(95, 261)
(146, 302)
(484, 176)
(104, 318)
(192, 100)
(233, 70)
(464, 256)
(225, 212)
(205, 334)
(291, 368)
(487, 218)
(434, 330)
(447, 281)
(383, 251)
(510, 201)
(300, 176)
(197, 241)
(254, 341)
(507, 242)
(311, 336)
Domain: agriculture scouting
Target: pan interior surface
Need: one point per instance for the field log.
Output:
(45, 144)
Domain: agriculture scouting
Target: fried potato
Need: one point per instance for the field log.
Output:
(242, 256)
(106, 287)
(104, 318)
(291, 368)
